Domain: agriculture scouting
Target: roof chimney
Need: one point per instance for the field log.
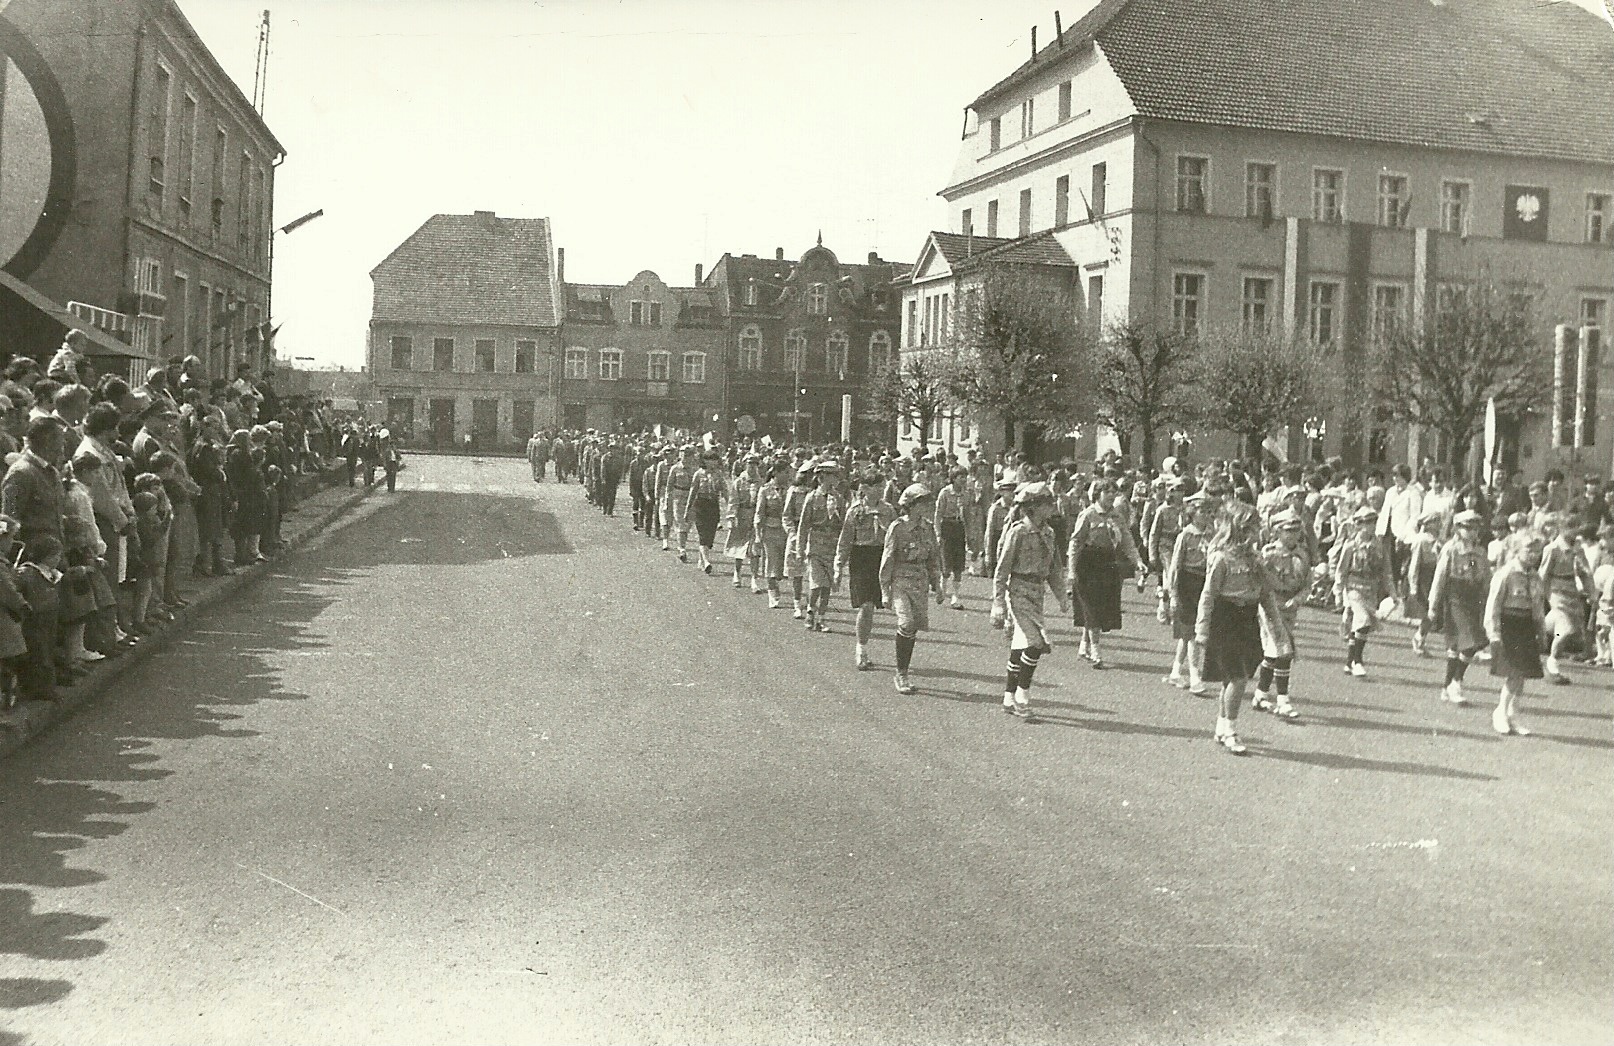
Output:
(484, 214)
(1059, 30)
(778, 254)
(874, 257)
(1033, 41)
(699, 271)
(560, 265)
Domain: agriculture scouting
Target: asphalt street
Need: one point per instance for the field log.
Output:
(480, 765)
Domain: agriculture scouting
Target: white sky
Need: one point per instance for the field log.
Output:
(655, 133)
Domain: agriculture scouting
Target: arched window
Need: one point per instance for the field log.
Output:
(751, 348)
(795, 349)
(817, 300)
(879, 351)
(695, 368)
(835, 352)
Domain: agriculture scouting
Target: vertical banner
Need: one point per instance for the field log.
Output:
(1490, 435)
(1564, 369)
(1591, 345)
(846, 417)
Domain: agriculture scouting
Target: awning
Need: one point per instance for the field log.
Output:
(31, 324)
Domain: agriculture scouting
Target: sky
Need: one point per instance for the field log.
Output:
(656, 134)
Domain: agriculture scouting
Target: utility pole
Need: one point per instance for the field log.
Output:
(260, 73)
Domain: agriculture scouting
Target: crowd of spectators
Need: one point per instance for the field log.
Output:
(116, 496)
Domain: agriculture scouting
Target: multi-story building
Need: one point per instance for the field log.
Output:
(153, 223)
(803, 336)
(465, 330)
(1325, 169)
(641, 354)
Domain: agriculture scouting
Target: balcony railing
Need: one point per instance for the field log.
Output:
(118, 324)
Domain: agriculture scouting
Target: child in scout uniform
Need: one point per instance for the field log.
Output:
(1184, 580)
(769, 520)
(1568, 581)
(1513, 623)
(858, 552)
(1421, 559)
(1457, 600)
(816, 533)
(910, 564)
(1228, 624)
(675, 503)
(1101, 548)
(743, 544)
(951, 508)
(1363, 579)
(1027, 565)
(707, 492)
(1287, 562)
(997, 521)
(795, 568)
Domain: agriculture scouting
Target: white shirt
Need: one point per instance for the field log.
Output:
(1399, 516)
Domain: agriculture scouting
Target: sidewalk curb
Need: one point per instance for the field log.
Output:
(34, 718)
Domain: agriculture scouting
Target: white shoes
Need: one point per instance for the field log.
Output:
(1227, 738)
(1022, 704)
(1453, 692)
(1499, 722)
(1175, 679)
(1358, 669)
(799, 614)
(863, 662)
(773, 601)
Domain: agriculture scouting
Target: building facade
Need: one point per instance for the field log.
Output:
(802, 337)
(641, 355)
(465, 331)
(1199, 172)
(153, 225)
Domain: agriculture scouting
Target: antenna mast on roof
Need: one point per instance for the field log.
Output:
(260, 73)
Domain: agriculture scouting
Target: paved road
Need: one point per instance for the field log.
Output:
(483, 766)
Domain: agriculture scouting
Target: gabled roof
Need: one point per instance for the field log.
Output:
(470, 269)
(1041, 248)
(954, 247)
(1517, 77)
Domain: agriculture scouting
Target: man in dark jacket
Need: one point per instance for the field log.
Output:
(32, 492)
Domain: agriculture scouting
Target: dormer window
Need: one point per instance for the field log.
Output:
(817, 300)
(751, 292)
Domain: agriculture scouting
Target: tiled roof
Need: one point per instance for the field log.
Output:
(955, 247)
(470, 269)
(1042, 248)
(1517, 77)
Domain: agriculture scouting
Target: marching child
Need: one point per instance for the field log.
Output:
(997, 521)
(1228, 622)
(1513, 623)
(1184, 581)
(816, 534)
(1457, 597)
(1027, 566)
(1362, 578)
(1421, 558)
(1603, 581)
(1568, 582)
(857, 555)
(769, 524)
(1287, 562)
(795, 566)
(742, 544)
(909, 564)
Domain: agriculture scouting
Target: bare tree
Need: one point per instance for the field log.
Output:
(914, 388)
(1254, 383)
(1146, 381)
(1479, 345)
(1020, 354)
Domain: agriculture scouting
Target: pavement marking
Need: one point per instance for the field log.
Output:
(292, 888)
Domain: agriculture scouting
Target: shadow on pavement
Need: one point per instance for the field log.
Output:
(61, 793)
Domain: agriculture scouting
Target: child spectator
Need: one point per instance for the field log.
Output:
(148, 526)
(37, 576)
(84, 593)
(156, 549)
(1603, 585)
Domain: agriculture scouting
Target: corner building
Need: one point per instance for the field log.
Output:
(1327, 169)
(465, 330)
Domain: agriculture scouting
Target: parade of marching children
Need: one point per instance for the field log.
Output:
(1517, 577)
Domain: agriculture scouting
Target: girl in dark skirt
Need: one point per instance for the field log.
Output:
(1513, 621)
(1101, 547)
(857, 556)
(1228, 625)
(1457, 601)
(707, 492)
(1184, 580)
(952, 512)
(1421, 560)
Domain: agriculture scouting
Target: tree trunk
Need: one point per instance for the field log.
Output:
(1008, 433)
(1146, 445)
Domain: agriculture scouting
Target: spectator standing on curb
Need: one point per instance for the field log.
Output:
(212, 502)
(245, 478)
(97, 465)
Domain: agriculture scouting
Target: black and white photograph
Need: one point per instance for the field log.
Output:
(736, 522)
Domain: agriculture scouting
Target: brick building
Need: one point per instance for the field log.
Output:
(138, 187)
(641, 354)
(465, 330)
(804, 334)
(1327, 169)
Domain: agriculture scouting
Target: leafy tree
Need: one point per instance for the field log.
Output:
(1146, 381)
(1020, 354)
(914, 388)
(1479, 345)
(1254, 383)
